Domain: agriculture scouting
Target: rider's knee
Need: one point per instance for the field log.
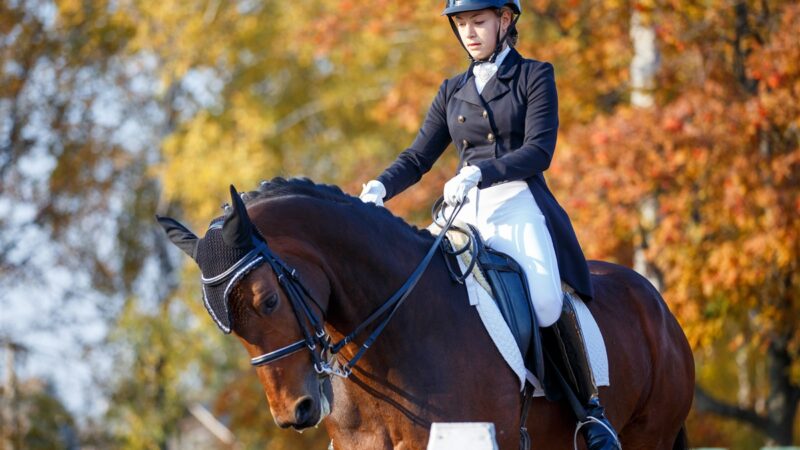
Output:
(548, 310)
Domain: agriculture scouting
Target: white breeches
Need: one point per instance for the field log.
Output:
(511, 222)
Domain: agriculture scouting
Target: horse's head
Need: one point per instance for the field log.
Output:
(250, 291)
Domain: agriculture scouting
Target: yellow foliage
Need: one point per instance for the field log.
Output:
(334, 90)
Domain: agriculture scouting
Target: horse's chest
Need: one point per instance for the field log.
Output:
(366, 422)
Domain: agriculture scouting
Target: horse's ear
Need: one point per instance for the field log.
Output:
(179, 235)
(237, 231)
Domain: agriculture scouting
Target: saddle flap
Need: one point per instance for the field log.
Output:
(511, 293)
(501, 276)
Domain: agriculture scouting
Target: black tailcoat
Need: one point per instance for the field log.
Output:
(509, 132)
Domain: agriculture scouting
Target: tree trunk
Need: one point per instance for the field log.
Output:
(644, 66)
(782, 402)
(784, 397)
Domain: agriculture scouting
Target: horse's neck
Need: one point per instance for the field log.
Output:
(367, 265)
(407, 378)
(367, 259)
(367, 256)
(386, 258)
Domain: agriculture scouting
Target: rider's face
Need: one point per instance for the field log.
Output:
(478, 31)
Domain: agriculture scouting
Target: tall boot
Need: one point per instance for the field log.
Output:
(596, 429)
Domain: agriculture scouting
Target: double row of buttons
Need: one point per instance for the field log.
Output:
(462, 119)
(490, 137)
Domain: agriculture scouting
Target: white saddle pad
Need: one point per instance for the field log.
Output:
(504, 341)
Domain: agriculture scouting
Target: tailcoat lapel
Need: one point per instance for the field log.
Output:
(495, 89)
(469, 93)
(498, 86)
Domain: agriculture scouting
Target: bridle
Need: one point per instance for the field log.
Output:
(325, 361)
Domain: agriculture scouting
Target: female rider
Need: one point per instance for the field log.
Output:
(502, 115)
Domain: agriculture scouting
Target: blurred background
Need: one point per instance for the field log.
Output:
(678, 155)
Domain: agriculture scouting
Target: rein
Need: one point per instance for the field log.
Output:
(325, 361)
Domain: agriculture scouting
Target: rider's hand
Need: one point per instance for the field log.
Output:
(373, 192)
(456, 189)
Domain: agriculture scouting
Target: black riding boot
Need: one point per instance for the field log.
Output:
(596, 429)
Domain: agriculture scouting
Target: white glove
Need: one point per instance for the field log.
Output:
(456, 189)
(373, 192)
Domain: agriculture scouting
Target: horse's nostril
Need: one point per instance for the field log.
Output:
(303, 410)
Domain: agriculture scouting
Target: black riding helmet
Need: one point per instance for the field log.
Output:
(452, 7)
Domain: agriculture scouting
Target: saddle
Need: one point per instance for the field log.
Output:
(503, 277)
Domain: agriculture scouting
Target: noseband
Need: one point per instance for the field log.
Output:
(325, 361)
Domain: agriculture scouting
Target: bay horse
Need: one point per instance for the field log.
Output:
(434, 362)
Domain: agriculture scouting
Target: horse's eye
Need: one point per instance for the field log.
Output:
(268, 305)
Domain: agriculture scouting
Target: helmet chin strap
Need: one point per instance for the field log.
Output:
(499, 47)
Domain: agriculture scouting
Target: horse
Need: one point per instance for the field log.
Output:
(434, 361)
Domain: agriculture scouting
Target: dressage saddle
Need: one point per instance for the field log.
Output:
(508, 285)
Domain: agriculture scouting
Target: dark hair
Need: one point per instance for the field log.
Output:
(513, 34)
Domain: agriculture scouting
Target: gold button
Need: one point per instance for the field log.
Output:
(490, 137)
(461, 119)
(485, 114)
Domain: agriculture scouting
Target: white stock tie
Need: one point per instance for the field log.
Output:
(483, 73)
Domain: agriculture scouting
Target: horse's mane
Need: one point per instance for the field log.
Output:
(280, 187)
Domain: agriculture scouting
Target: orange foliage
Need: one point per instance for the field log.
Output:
(720, 155)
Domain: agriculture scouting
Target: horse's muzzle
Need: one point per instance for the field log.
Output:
(307, 413)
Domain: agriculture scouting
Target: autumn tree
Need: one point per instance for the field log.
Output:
(111, 111)
(720, 153)
(60, 156)
(688, 152)
(43, 421)
(78, 125)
